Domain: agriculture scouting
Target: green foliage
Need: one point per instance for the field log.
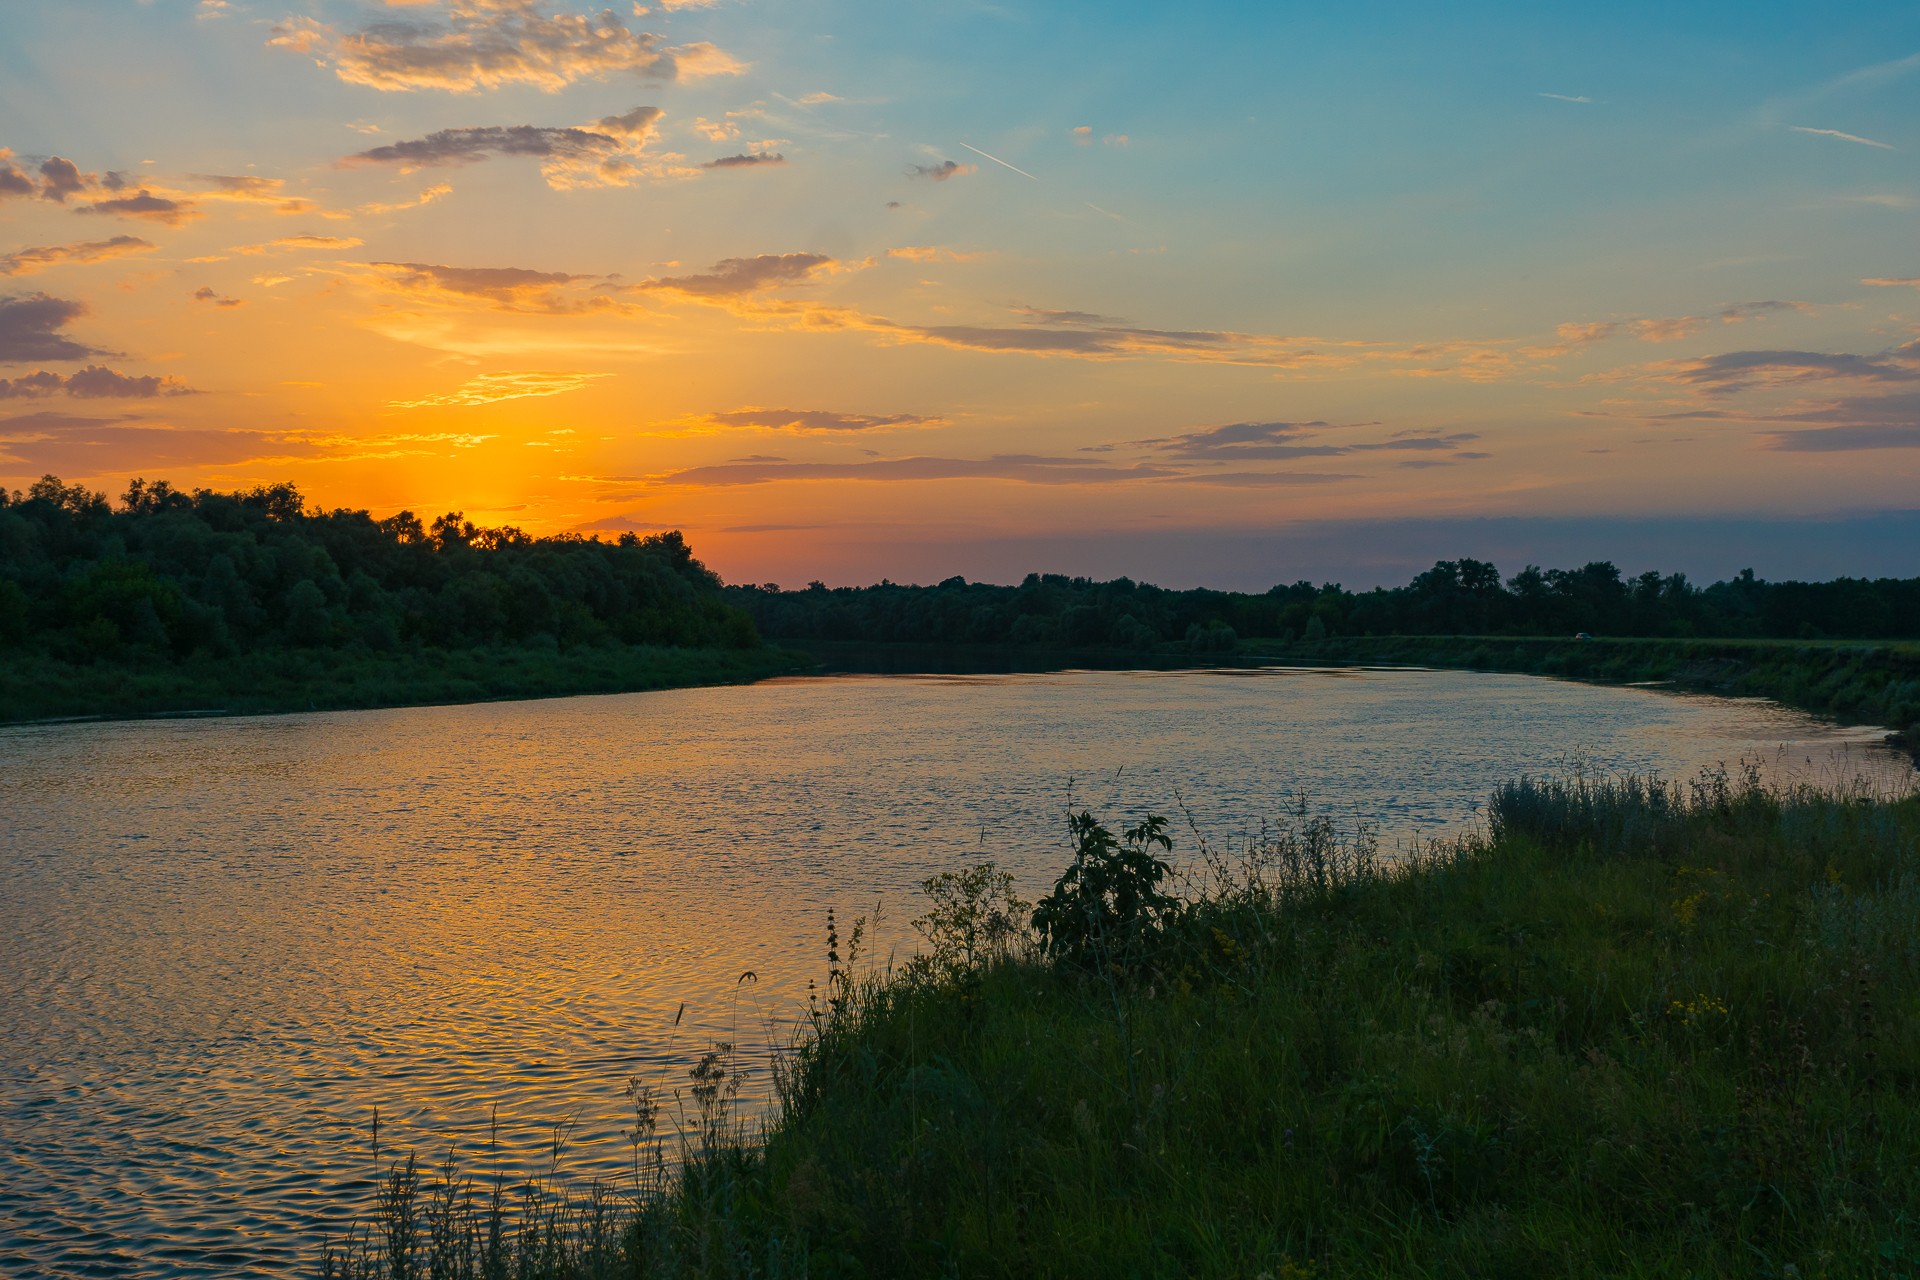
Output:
(974, 917)
(1108, 903)
(172, 577)
(1454, 598)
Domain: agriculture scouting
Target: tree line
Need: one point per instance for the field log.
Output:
(170, 573)
(1455, 597)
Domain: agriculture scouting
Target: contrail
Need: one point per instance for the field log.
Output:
(1798, 128)
(997, 160)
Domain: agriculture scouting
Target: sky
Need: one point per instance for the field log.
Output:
(1220, 294)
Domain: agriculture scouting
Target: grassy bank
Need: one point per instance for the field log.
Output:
(35, 686)
(1634, 1030)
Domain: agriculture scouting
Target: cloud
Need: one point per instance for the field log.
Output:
(942, 171)
(30, 327)
(732, 277)
(1667, 330)
(491, 388)
(1844, 439)
(67, 444)
(63, 178)
(500, 288)
(1912, 282)
(144, 204)
(747, 160)
(95, 382)
(932, 253)
(808, 421)
(14, 181)
(24, 261)
(484, 44)
(1578, 333)
(1020, 468)
(1082, 135)
(1272, 441)
(716, 130)
(1567, 97)
(205, 293)
(1261, 479)
(316, 243)
(438, 191)
(1844, 137)
(1739, 370)
(1740, 311)
(605, 153)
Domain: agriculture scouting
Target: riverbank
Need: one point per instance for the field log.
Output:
(1632, 1030)
(34, 686)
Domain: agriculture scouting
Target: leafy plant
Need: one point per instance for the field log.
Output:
(1109, 898)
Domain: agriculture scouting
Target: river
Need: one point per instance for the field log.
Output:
(226, 941)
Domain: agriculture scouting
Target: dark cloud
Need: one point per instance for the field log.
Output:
(1262, 479)
(1080, 319)
(1022, 468)
(488, 43)
(1278, 441)
(30, 327)
(1104, 342)
(1844, 439)
(1247, 440)
(205, 293)
(52, 255)
(95, 382)
(1739, 311)
(939, 172)
(731, 277)
(604, 153)
(516, 287)
(14, 181)
(747, 160)
(1737, 370)
(241, 184)
(144, 204)
(62, 178)
(812, 420)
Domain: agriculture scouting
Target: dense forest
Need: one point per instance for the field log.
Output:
(1455, 597)
(167, 573)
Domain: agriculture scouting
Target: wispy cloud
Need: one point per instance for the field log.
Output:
(518, 289)
(206, 293)
(940, 172)
(25, 261)
(492, 388)
(747, 160)
(733, 277)
(817, 421)
(484, 44)
(1568, 97)
(606, 153)
(1844, 137)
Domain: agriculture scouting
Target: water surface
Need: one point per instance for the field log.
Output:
(223, 942)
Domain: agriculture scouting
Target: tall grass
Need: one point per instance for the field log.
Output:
(1632, 1029)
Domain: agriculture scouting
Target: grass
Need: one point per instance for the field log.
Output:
(35, 686)
(1634, 1029)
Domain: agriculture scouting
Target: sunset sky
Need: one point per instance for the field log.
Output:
(1219, 294)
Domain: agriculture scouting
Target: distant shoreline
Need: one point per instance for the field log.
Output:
(39, 690)
(1852, 682)
(1874, 683)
